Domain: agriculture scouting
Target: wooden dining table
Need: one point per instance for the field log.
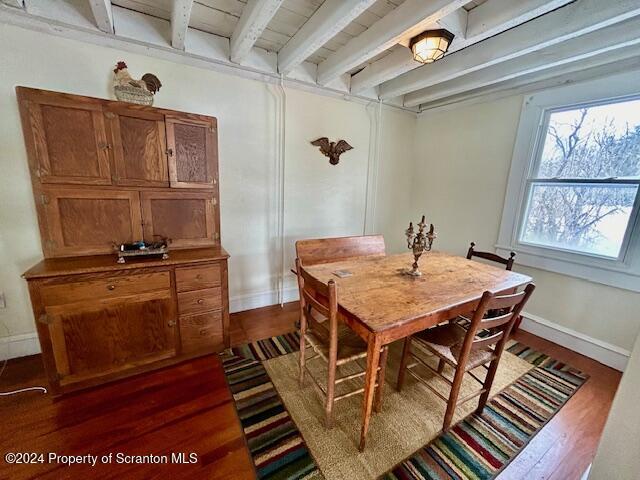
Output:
(382, 304)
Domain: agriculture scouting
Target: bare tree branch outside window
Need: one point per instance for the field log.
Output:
(570, 206)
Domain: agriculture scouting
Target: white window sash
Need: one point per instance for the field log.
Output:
(622, 272)
(623, 252)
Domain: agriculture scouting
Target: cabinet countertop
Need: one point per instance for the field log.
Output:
(54, 267)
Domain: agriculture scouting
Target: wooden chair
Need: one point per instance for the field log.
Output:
(507, 262)
(463, 350)
(325, 250)
(338, 346)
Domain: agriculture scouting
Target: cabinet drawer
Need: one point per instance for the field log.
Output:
(199, 301)
(197, 278)
(201, 332)
(105, 288)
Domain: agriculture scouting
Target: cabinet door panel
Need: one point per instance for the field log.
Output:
(187, 219)
(193, 152)
(139, 147)
(85, 221)
(70, 143)
(116, 337)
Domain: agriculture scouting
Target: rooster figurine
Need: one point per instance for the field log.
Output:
(332, 150)
(144, 88)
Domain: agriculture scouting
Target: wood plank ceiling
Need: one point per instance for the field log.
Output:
(220, 17)
(359, 47)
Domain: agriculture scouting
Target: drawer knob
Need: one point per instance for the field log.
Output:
(200, 301)
(111, 287)
(171, 323)
(199, 277)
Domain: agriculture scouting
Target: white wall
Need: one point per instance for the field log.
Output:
(452, 166)
(462, 164)
(320, 199)
(617, 455)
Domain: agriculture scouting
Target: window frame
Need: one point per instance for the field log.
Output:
(623, 271)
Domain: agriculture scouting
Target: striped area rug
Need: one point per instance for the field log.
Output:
(277, 448)
(481, 445)
(477, 447)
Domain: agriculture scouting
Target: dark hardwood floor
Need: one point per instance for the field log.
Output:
(188, 408)
(565, 447)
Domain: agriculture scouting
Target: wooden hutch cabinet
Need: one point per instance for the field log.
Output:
(106, 173)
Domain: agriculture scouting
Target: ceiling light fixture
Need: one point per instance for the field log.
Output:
(431, 45)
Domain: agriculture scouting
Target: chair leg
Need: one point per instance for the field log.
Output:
(516, 325)
(302, 354)
(331, 390)
(381, 373)
(488, 381)
(406, 351)
(440, 365)
(453, 398)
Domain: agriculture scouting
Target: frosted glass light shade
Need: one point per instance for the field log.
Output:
(431, 45)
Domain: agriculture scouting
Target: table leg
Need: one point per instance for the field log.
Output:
(373, 359)
(377, 401)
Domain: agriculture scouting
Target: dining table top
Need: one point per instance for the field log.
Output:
(382, 297)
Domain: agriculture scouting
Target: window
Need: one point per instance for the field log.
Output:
(573, 195)
(585, 183)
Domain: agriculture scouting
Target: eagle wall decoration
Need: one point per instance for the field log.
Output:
(333, 150)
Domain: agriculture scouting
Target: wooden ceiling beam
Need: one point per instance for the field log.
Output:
(622, 60)
(399, 61)
(403, 22)
(330, 19)
(103, 15)
(180, 17)
(483, 22)
(601, 43)
(497, 16)
(149, 36)
(14, 3)
(571, 21)
(255, 17)
(456, 23)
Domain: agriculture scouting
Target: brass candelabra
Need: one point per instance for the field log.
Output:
(419, 243)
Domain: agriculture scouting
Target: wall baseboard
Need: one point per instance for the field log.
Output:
(19, 346)
(603, 352)
(615, 357)
(249, 301)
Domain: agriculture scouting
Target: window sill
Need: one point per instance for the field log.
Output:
(622, 277)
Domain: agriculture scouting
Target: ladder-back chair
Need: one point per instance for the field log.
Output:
(325, 250)
(493, 257)
(464, 350)
(341, 347)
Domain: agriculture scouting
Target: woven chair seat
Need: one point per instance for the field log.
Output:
(445, 341)
(350, 346)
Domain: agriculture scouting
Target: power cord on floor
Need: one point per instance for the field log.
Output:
(4, 365)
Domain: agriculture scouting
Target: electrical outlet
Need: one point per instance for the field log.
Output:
(3, 302)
